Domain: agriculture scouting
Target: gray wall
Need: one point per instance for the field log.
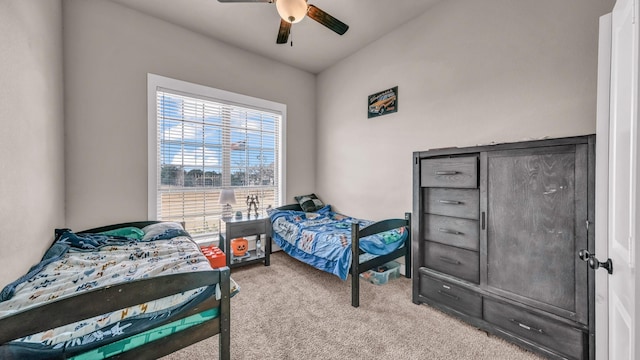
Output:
(469, 72)
(31, 139)
(109, 49)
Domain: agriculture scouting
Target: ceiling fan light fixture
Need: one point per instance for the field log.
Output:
(291, 10)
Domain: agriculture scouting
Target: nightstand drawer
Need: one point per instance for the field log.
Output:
(246, 228)
(450, 172)
(547, 332)
(461, 263)
(453, 231)
(462, 203)
(453, 296)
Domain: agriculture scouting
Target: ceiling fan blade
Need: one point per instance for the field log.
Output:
(245, 1)
(327, 20)
(283, 32)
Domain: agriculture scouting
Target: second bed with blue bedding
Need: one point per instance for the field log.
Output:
(340, 244)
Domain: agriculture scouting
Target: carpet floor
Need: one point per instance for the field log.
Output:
(290, 310)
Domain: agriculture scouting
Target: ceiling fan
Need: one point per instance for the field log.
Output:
(292, 11)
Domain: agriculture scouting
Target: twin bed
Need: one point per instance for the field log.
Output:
(137, 291)
(339, 244)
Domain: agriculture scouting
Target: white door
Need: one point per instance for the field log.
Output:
(623, 203)
(602, 188)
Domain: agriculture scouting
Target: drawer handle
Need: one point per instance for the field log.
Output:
(442, 172)
(448, 295)
(527, 327)
(449, 260)
(450, 202)
(448, 231)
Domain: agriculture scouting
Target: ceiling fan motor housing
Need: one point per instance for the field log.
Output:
(292, 10)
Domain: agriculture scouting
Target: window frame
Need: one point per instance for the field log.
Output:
(156, 82)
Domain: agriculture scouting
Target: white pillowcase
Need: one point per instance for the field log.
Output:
(153, 230)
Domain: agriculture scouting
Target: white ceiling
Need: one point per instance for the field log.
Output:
(254, 26)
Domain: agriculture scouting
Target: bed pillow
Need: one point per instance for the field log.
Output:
(153, 231)
(309, 203)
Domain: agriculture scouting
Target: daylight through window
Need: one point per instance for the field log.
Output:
(206, 145)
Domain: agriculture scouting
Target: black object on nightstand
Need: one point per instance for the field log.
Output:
(232, 228)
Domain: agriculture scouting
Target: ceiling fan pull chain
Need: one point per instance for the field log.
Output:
(291, 37)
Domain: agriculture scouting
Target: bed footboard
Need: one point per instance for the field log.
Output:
(378, 227)
(194, 334)
(115, 297)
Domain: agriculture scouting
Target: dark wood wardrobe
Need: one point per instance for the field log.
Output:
(497, 232)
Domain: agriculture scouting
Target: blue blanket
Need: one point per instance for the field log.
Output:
(323, 238)
(79, 262)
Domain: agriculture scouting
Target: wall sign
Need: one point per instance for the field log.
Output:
(383, 102)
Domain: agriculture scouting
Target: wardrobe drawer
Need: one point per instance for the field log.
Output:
(452, 296)
(449, 172)
(462, 203)
(453, 231)
(559, 337)
(451, 260)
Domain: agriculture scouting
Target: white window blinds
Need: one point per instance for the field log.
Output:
(206, 145)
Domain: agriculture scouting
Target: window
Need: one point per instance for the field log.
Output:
(204, 140)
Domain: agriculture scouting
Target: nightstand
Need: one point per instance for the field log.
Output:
(231, 228)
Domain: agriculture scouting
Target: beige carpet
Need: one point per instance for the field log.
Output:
(290, 310)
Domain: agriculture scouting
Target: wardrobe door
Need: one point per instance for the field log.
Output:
(535, 203)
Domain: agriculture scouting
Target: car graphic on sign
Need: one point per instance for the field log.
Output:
(384, 102)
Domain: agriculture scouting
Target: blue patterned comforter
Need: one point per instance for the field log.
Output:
(80, 262)
(323, 238)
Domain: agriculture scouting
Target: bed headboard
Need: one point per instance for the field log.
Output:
(138, 224)
(294, 207)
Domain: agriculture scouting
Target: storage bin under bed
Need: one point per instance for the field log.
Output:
(383, 273)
